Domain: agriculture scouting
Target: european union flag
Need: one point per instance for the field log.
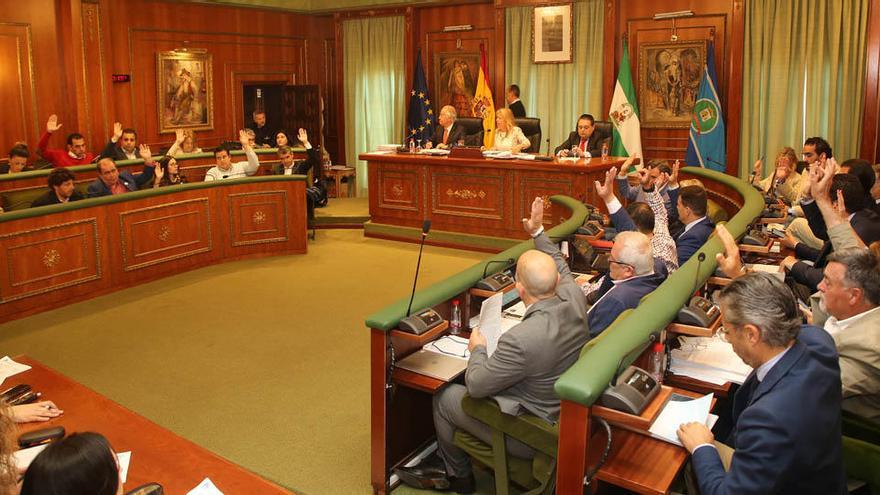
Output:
(420, 119)
(706, 145)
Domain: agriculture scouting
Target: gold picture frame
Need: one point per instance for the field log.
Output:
(185, 85)
(455, 81)
(552, 33)
(669, 80)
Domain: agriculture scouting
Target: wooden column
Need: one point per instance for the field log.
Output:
(574, 434)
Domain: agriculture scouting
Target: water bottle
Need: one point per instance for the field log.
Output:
(455, 319)
(412, 145)
(656, 363)
(604, 151)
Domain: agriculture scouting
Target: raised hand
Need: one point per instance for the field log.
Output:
(52, 124)
(179, 136)
(673, 179)
(159, 173)
(757, 168)
(145, 153)
(627, 164)
(644, 177)
(117, 131)
(244, 139)
(606, 189)
(661, 181)
(729, 261)
(536, 218)
(303, 136)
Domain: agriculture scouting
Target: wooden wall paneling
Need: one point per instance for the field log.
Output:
(332, 92)
(340, 87)
(69, 28)
(99, 113)
(18, 95)
(870, 149)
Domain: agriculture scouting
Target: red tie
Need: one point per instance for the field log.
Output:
(583, 145)
(445, 135)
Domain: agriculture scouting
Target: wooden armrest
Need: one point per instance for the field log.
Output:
(528, 429)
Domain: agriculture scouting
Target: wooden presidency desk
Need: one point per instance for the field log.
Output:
(158, 455)
(485, 197)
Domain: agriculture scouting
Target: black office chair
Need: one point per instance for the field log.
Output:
(473, 130)
(531, 128)
(605, 128)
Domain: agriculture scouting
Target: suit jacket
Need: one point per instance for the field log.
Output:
(531, 356)
(622, 296)
(112, 150)
(131, 182)
(302, 167)
(455, 134)
(787, 436)
(50, 198)
(594, 142)
(690, 242)
(859, 349)
(518, 109)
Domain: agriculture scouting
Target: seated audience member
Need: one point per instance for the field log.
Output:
(520, 374)
(513, 102)
(631, 270)
(863, 171)
(111, 181)
(75, 154)
(263, 136)
(61, 189)
(18, 158)
(122, 145)
(184, 143)
(168, 173)
(691, 211)
(507, 135)
(586, 140)
(785, 182)
(289, 166)
(281, 139)
(786, 433)
(640, 194)
(850, 296)
(225, 169)
(448, 133)
(650, 219)
(80, 463)
(816, 150)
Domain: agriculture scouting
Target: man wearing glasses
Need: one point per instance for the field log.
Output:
(631, 269)
(786, 434)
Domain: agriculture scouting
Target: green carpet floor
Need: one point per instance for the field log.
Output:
(264, 362)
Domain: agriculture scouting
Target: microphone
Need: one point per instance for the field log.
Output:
(426, 227)
(548, 147)
(428, 318)
(701, 257)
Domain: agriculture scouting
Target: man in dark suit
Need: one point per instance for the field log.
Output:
(691, 211)
(61, 189)
(586, 139)
(112, 181)
(447, 133)
(632, 270)
(786, 435)
(521, 372)
(264, 137)
(514, 104)
(122, 145)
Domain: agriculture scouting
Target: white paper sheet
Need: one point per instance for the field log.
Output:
(206, 487)
(675, 413)
(124, 459)
(8, 368)
(24, 457)
(490, 321)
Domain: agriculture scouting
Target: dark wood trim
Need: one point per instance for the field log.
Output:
(733, 118)
(340, 88)
(574, 432)
(609, 61)
(871, 114)
(378, 411)
(499, 90)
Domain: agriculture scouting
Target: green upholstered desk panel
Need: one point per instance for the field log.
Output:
(585, 381)
(388, 317)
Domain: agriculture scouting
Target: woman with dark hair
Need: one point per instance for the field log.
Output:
(168, 173)
(281, 139)
(81, 464)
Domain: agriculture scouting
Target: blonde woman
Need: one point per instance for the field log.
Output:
(788, 181)
(507, 135)
(185, 142)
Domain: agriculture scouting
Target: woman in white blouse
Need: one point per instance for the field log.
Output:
(507, 135)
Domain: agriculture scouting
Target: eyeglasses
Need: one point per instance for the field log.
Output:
(724, 334)
(620, 263)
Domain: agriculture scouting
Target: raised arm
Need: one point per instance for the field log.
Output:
(619, 216)
(534, 226)
(178, 140)
(253, 163)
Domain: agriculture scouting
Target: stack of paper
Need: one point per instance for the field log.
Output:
(771, 269)
(8, 367)
(435, 151)
(388, 147)
(708, 359)
(675, 413)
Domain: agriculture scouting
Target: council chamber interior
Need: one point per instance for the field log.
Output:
(469, 246)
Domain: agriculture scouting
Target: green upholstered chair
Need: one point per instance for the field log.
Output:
(860, 428)
(862, 462)
(715, 212)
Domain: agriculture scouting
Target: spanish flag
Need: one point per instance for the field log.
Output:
(483, 106)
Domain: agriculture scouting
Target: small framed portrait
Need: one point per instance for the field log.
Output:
(552, 28)
(185, 86)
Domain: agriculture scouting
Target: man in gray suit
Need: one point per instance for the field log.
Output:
(521, 372)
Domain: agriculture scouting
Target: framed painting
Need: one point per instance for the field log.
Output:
(552, 28)
(669, 79)
(455, 81)
(185, 86)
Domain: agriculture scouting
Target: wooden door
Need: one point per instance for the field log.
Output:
(302, 108)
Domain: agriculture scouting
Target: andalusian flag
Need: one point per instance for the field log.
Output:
(483, 105)
(706, 146)
(624, 113)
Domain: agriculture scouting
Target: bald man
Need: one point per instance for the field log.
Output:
(521, 372)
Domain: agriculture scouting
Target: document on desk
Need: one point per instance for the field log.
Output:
(206, 487)
(771, 269)
(708, 359)
(675, 413)
(490, 321)
(8, 368)
(24, 457)
(123, 459)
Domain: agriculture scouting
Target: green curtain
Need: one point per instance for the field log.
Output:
(557, 93)
(803, 75)
(373, 65)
